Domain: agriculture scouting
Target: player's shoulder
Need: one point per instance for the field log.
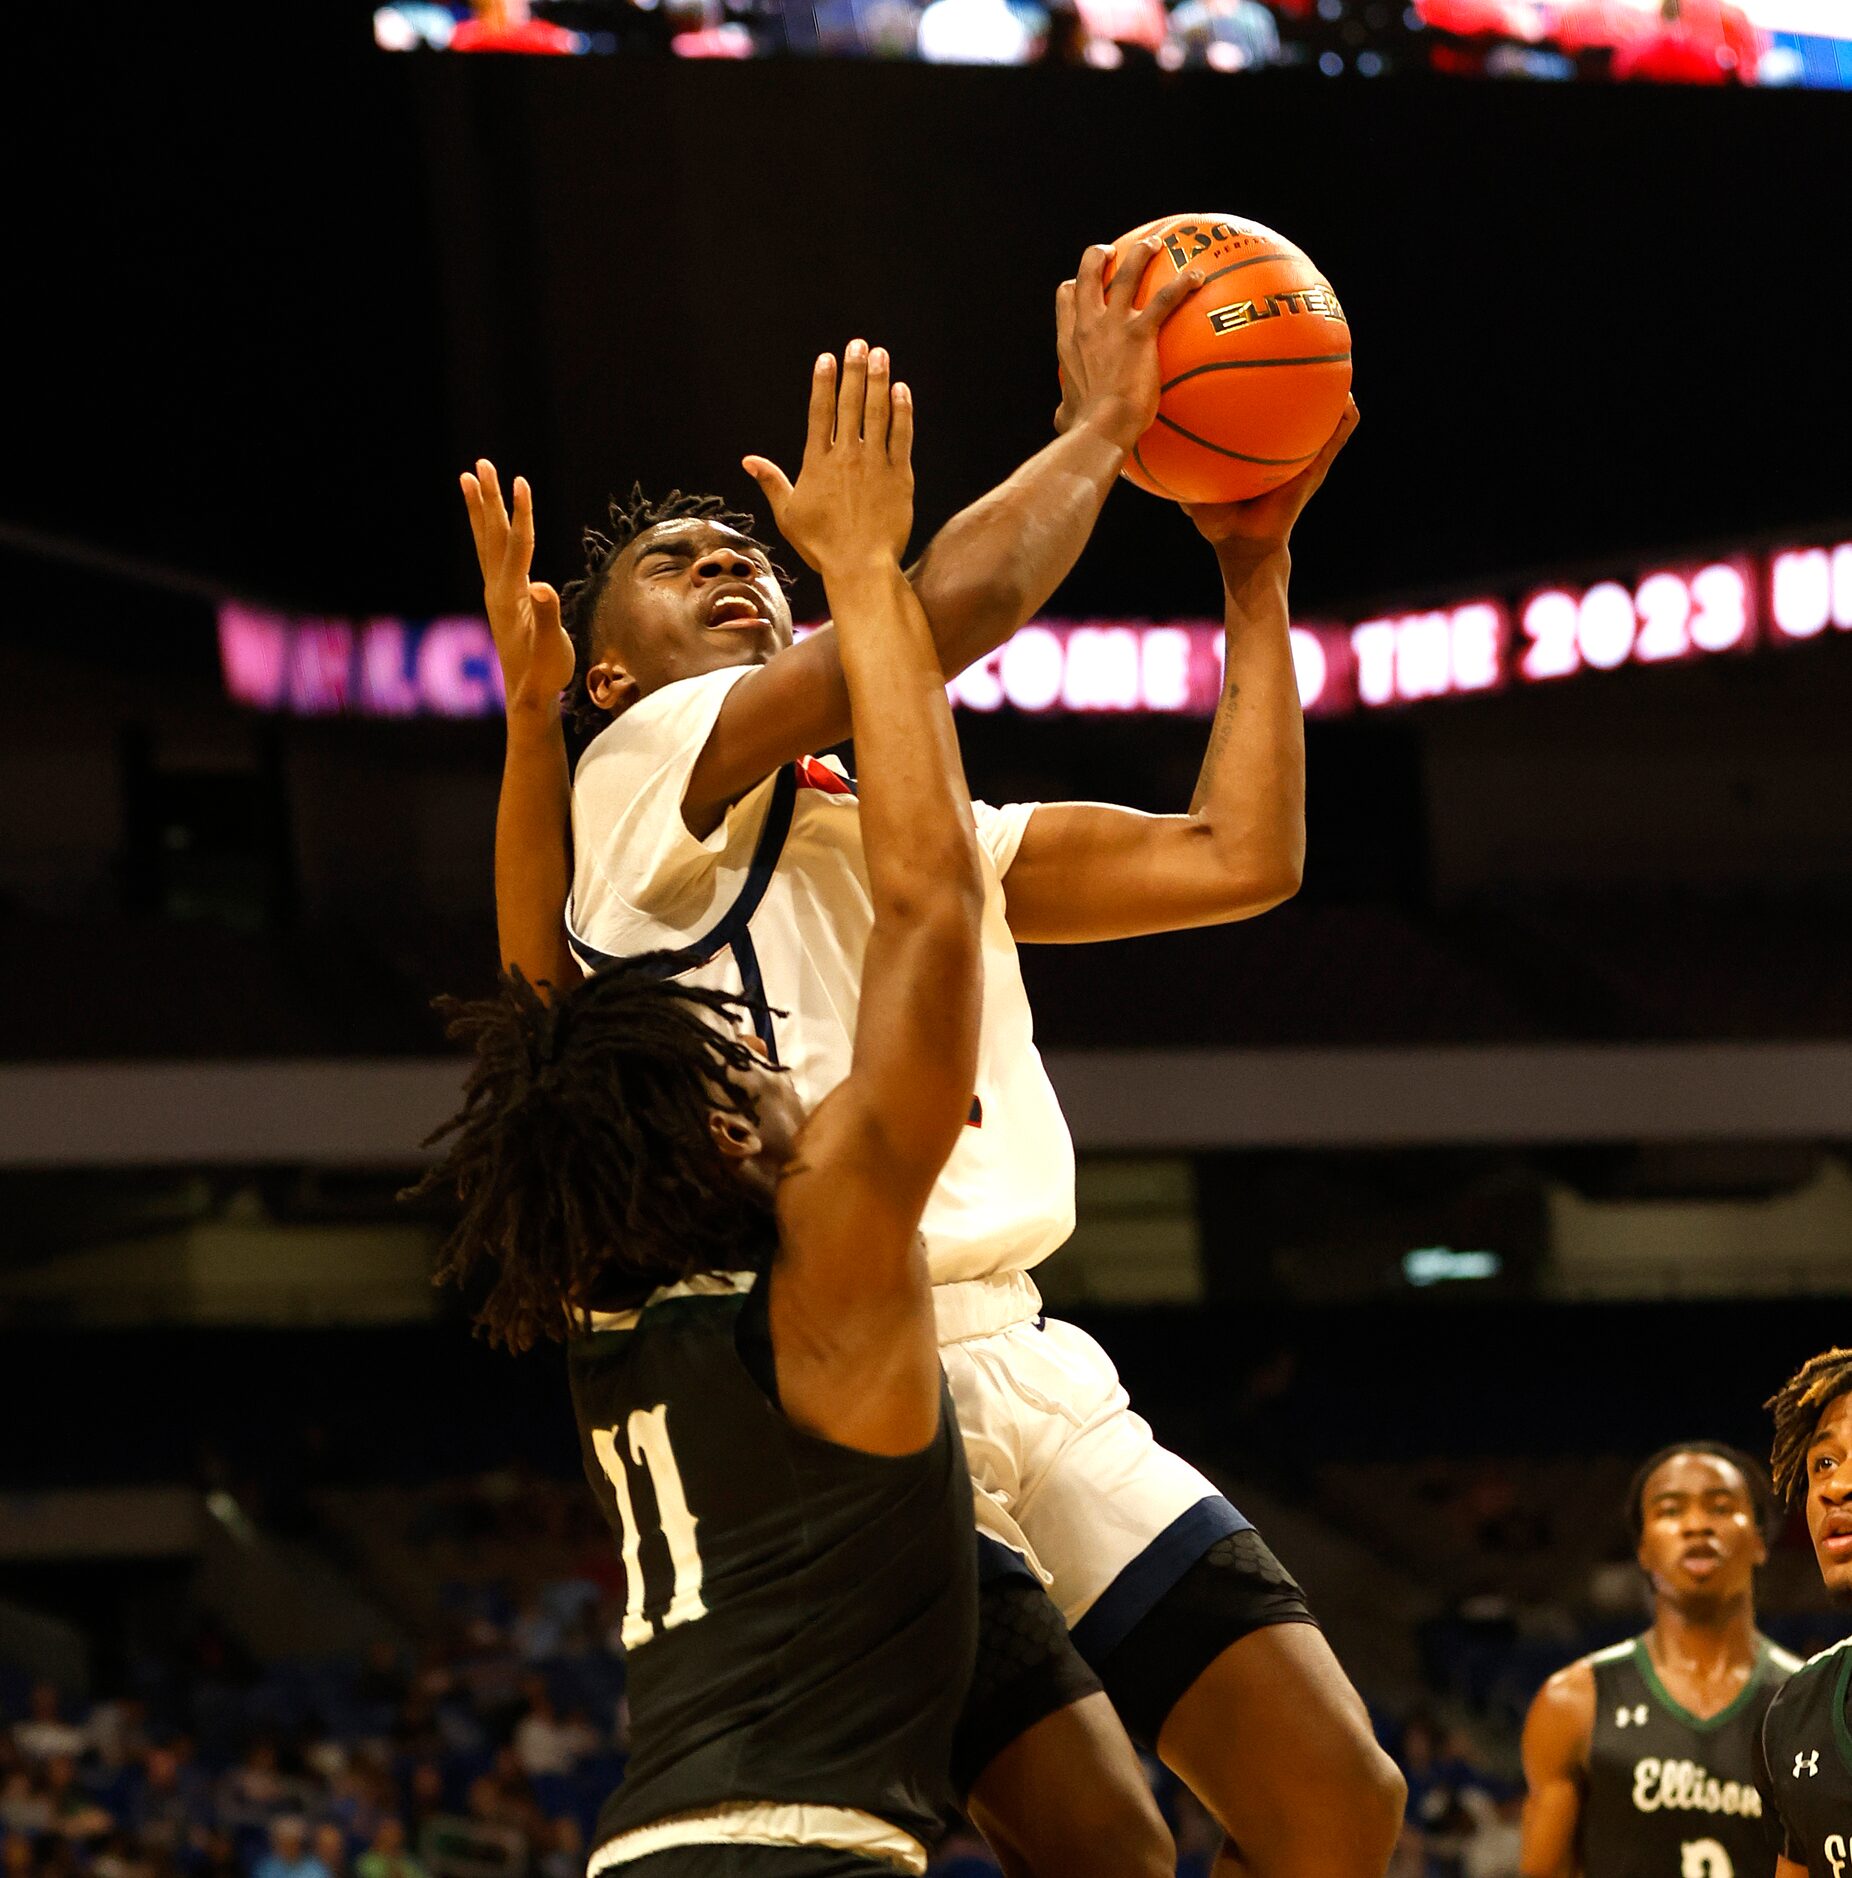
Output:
(1568, 1694)
(1613, 1653)
(1804, 1683)
(1780, 1664)
(1578, 1680)
(707, 1303)
(664, 721)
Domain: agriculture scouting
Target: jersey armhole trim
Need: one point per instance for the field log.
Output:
(731, 929)
(1842, 1735)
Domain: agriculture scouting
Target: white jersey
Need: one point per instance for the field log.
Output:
(774, 904)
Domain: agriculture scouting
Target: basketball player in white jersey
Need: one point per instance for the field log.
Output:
(702, 825)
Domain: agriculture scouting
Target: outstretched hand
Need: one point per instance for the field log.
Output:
(1107, 346)
(1264, 523)
(853, 498)
(532, 645)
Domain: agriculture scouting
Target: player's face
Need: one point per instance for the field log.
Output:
(1829, 1495)
(685, 598)
(1699, 1540)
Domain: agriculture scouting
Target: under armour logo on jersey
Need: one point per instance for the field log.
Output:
(1634, 1717)
(1807, 1763)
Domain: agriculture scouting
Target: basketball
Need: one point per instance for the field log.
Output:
(1256, 362)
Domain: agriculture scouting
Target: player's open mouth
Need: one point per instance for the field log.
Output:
(1701, 1561)
(736, 612)
(1836, 1535)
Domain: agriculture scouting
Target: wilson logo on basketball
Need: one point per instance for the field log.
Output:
(1319, 300)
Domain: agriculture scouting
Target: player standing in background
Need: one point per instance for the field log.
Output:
(1640, 1760)
(1807, 1734)
(703, 826)
(753, 1355)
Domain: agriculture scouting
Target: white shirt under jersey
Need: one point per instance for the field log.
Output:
(785, 920)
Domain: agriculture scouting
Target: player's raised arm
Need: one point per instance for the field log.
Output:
(993, 565)
(533, 837)
(850, 1304)
(1556, 1738)
(1088, 870)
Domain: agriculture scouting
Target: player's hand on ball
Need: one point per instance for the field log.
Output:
(852, 502)
(1108, 347)
(532, 646)
(1265, 523)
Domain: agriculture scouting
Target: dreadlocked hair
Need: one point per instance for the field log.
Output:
(1755, 1478)
(625, 519)
(582, 1155)
(1797, 1407)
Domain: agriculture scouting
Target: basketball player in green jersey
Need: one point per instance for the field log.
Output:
(1807, 1734)
(744, 1295)
(1640, 1760)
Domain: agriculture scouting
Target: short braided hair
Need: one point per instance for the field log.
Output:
(583, 1155)
(625, 519)
(1797, 1407)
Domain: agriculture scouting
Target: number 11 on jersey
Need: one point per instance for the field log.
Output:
(647, 1437)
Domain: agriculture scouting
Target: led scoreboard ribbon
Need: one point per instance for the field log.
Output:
(1690, 610)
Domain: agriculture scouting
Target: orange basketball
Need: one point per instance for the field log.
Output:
(1256, 362)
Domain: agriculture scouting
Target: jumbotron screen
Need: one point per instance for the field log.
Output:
(1693, 42)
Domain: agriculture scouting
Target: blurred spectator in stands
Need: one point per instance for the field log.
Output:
(120, 1857)
(45, 1734)
(387, 1856)
(328, 1847)
(15, 1856)
(256, 1790)
(169, 1805)
(359, 1797)
(1492, 1851)
(545, 1742)
(508, 26)
(1227, 35)
(289, 1855)
(564, 1850)
(218, 1858)
(424, 1797)
(25, 1808)
(502, 1796)
(978, 32)
(118, 1731)
(74, 1813)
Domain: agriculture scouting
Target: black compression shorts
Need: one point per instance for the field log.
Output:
(1235, 1588)
(1027, 1668)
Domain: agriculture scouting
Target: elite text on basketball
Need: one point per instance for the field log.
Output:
(1317, 299)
